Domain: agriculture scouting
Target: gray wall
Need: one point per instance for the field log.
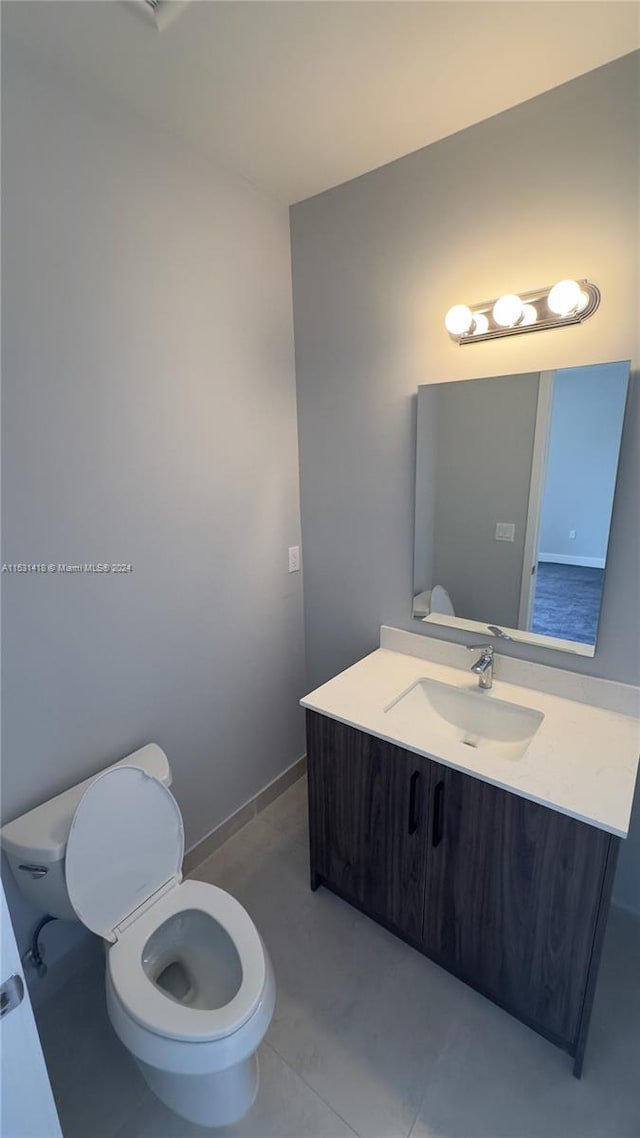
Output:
(149, 417)
(483, 474)
(376, 264)
(582, 462)
(426, 467)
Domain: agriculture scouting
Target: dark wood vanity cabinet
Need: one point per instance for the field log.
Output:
(513, 893)
(368, 808)
(510, 896)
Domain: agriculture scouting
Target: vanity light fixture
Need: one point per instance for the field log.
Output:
(567, 302)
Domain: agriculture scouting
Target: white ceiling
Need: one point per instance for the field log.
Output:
(300, 96)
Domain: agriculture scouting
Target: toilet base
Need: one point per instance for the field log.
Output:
(217, 1099)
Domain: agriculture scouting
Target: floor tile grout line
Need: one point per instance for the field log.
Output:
(301, 842)
(148, 1094)
(444, 1051)
(283, 830)
(313, 1089)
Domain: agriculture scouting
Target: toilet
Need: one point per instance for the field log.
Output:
(189, 986)
(435, 601)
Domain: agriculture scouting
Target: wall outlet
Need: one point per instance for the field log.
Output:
(505, 531)
(294, 558)
(572, 535)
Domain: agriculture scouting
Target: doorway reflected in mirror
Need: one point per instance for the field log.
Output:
(567, 601)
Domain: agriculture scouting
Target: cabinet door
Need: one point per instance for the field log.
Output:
(512, 898)
(368, 821)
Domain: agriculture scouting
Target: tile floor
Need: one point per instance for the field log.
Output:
(368, 1037)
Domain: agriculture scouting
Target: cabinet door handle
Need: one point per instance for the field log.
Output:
(413, 786)
(438, 814)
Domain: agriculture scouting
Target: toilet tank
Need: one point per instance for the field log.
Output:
(36, 842)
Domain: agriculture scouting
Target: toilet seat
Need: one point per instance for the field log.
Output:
(159, 1013)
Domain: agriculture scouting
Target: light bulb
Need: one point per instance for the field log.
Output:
(564, 297)
(507, 311)
(458, 320)
(480, 323)
(583, 301)
(529, 314)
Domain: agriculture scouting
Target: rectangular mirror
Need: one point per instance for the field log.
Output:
(515, 480)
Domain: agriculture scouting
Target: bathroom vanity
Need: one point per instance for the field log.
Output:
(481, 827)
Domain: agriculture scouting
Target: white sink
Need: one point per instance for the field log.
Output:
(473, 718)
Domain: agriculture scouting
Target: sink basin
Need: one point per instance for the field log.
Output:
(466, 716)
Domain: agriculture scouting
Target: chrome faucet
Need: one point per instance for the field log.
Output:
(483, 666)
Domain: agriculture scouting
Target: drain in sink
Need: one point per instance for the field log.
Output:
(470, 743)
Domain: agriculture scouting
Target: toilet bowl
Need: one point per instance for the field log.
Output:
(190, 993)
(189, 985)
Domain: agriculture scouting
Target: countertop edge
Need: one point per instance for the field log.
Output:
(508, 787)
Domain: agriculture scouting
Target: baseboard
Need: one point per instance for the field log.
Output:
(569, 559)
(222, 832)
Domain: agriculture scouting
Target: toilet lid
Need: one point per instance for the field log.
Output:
(126, 841)
(441, 601)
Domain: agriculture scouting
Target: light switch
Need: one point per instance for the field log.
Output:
(294, 558)
(505, 531)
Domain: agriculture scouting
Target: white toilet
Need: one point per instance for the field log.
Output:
(190, 990)
(433, 601)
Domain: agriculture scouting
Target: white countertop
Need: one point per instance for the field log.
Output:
(582, 761)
